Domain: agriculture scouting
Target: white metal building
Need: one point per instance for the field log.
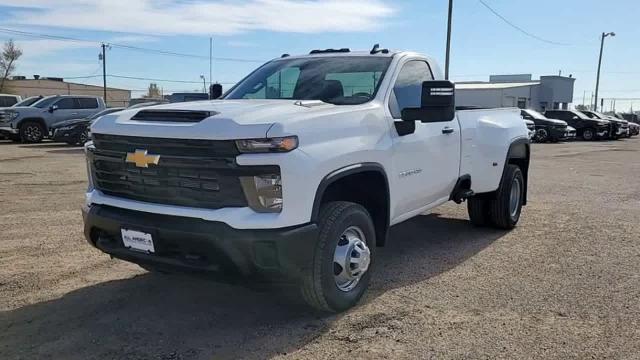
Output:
(549, 92)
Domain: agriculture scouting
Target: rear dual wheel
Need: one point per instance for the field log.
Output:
(503, 210)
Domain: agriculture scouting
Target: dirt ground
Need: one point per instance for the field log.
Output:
(564, 284)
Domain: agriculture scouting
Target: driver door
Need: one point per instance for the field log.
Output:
(66, 109)
(426, 162)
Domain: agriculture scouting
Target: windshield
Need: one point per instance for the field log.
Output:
(28, 101)
(581, 115)
(595, 115)
(534, 114)
(103, 112)
(45, 102)
(343, 80)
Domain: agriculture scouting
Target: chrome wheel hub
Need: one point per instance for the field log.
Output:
(514, 197)
(351, 258)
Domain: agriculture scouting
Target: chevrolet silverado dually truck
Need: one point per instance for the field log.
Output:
(296, 174)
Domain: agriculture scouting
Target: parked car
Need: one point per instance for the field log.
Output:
(586, 127)
(76, 131)
(618, 127)
(571, 133)
(546, 129)
(32, 123)
(634, 129)
(299, 181)
(7, 100)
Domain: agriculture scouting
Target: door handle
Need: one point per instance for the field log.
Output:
(447, 130)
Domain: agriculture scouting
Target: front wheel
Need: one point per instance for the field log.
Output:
(84, 137)
(31, 132)
(342, 258)
(588, 134)
(542, 135)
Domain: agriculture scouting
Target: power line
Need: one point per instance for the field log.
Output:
(518, 27)
(125, 47)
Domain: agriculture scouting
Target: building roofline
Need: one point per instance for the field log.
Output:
(68, 82)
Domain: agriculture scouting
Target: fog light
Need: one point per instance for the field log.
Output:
(263, 192)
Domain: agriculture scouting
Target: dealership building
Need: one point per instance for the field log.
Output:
(45, 86)
(548, 92)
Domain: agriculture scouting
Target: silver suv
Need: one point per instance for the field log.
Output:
(32, 123)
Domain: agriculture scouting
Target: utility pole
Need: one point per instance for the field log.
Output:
(104, 72)
(210, 61)
(446, 62)
(604, 35)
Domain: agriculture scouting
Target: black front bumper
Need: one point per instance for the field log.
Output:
(195, 245)
(71, 135)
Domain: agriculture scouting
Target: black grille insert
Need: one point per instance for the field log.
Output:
(194, 173)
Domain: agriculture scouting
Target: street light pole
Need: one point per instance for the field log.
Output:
(204, 83)
(446, 62)
(604, 35)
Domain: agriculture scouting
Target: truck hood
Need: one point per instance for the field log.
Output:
(23, 110)
(556, 122)
(230, 119)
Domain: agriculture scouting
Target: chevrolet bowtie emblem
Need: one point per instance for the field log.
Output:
(142, 159)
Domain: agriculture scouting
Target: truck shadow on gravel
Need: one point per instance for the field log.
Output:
(175, 317)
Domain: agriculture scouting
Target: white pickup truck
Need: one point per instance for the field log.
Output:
(296, 174)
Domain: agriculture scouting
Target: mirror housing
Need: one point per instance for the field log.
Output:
(53, 108)
(215, 91)
(437, 103)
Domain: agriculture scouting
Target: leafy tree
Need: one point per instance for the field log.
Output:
(10, 54)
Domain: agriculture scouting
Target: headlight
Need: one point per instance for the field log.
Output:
(263, 192)
(280, 144)
(88, 150)
(65, 128)
(13, 115)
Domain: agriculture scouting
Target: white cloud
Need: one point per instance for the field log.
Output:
(202, 17)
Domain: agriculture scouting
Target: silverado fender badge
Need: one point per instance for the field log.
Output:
(142, 159)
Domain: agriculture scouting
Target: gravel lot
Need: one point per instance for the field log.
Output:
(564, 284)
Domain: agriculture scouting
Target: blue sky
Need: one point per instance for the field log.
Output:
(262, 29)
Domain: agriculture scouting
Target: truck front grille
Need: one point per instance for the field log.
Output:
(193, 173)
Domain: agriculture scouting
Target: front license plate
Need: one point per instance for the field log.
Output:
(137, 240)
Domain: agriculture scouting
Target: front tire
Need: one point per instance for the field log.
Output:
(342, 258)
(31, 132)
(542, 135)
(588, 134)
(505, 209)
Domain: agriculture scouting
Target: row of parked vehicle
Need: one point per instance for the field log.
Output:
(63, 118)
(561, 125)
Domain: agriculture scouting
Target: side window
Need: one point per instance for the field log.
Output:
(86, 103)
(407, 91)
(65, 104)
(6, 101)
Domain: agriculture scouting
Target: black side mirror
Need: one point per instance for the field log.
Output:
(53, 108)
(437, 103)
(215, 91)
